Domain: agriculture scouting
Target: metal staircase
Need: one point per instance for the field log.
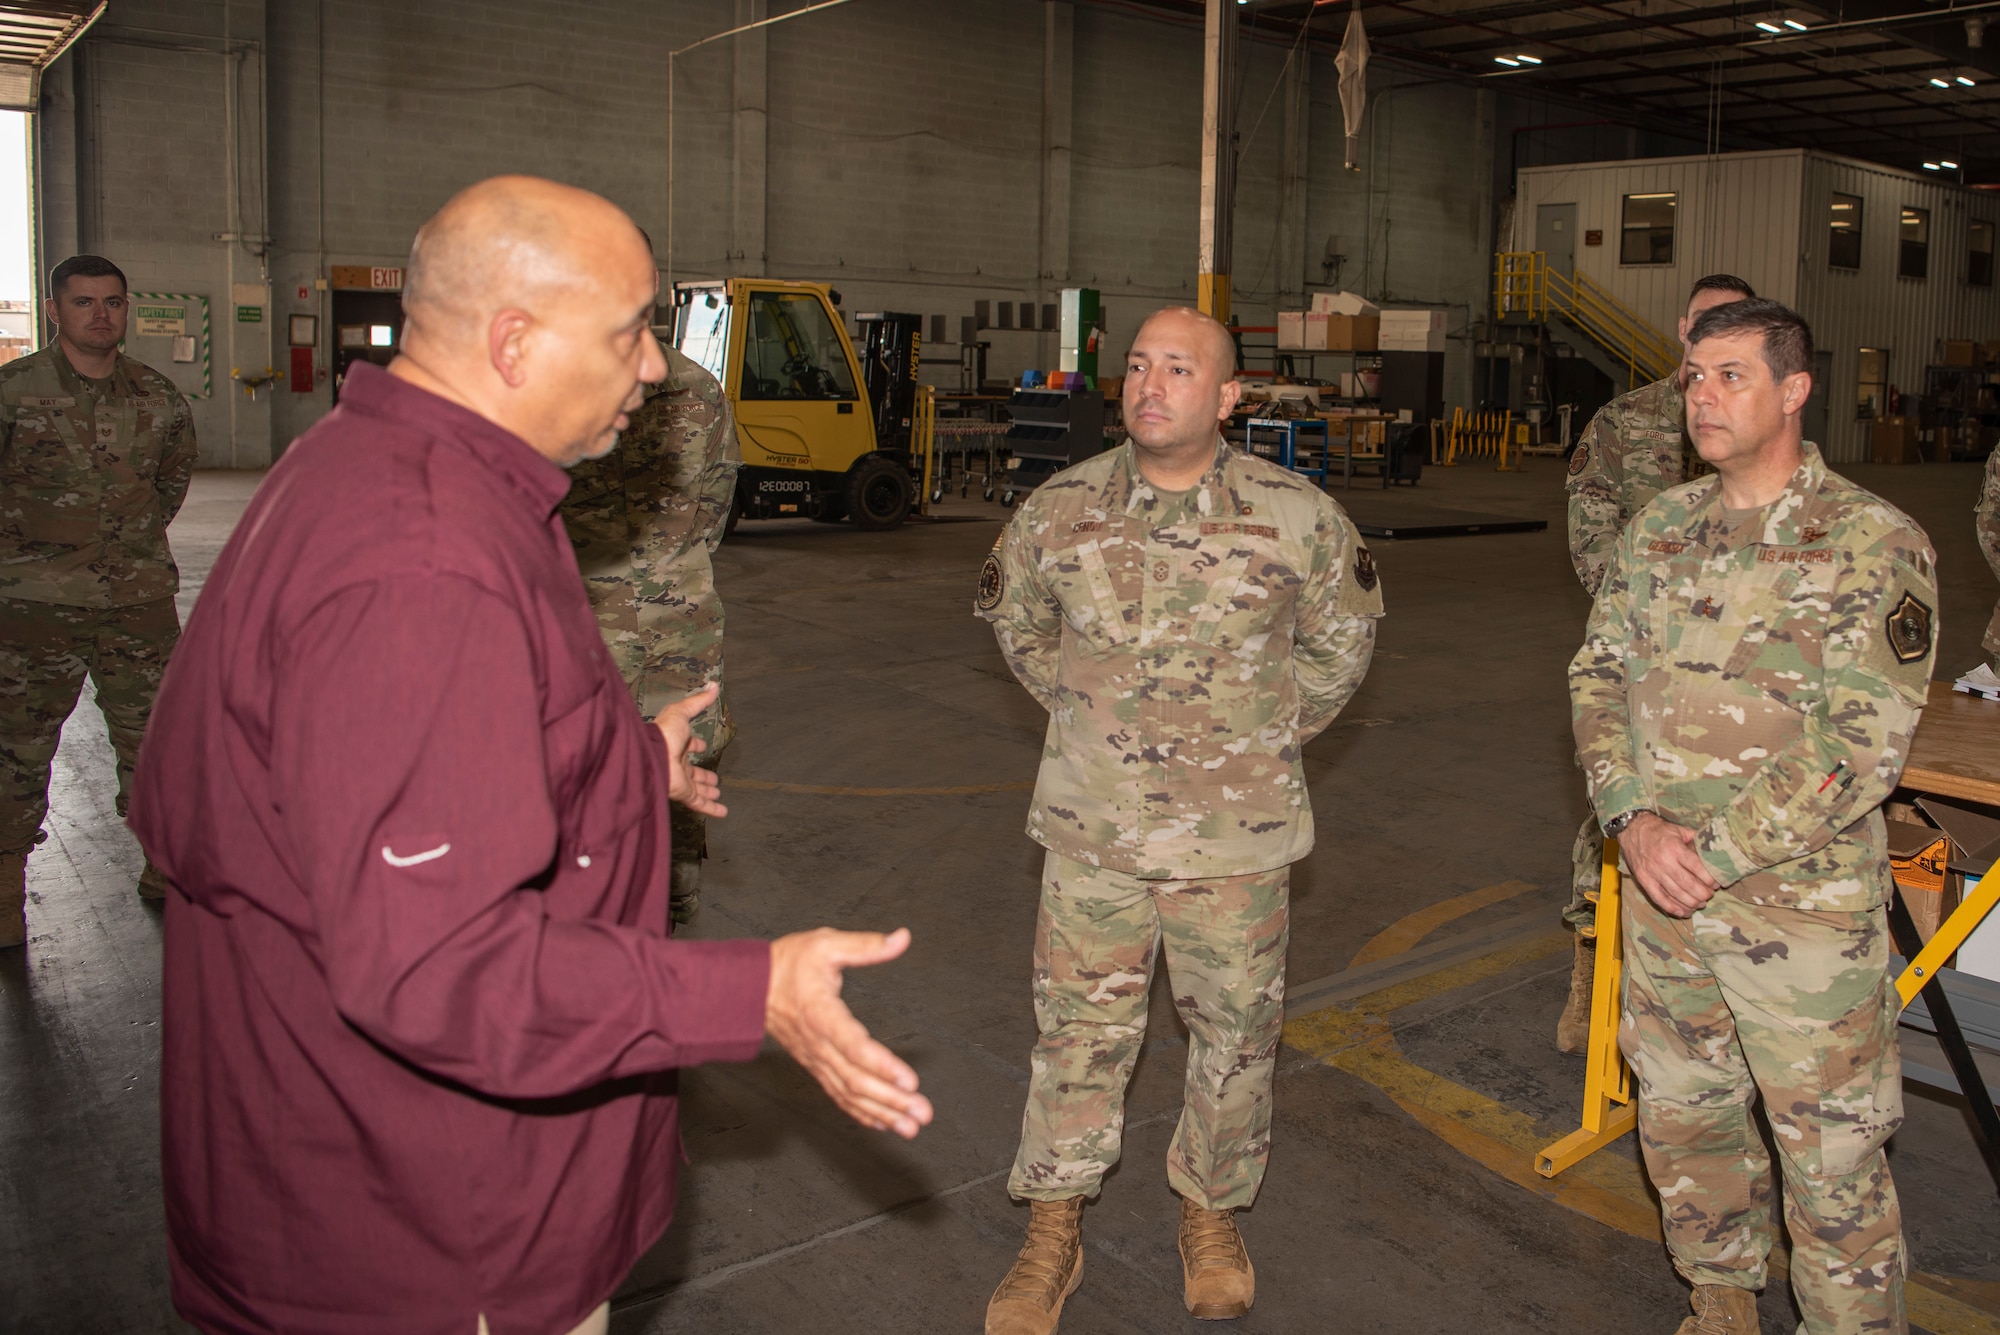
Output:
(1615, 337)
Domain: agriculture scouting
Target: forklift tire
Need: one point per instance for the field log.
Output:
(830, 511)
(878, 494)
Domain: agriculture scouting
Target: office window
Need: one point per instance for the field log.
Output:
(1979, 257)
(1647, 234)
(1872, 383)
(1914, 248)
(1843, 239)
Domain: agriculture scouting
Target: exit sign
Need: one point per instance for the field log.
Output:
(367, 278)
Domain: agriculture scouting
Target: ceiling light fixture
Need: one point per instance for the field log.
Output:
(1508, 60)
(1795, 25)
(1939, 83)
(1765, 25)
(1536, 60)
(1930, 166)
(1948, 164)
(1967, 82)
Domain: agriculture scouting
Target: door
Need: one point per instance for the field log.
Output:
(1814, 420)
(367, 327)
(798, 395)
(1555, 236)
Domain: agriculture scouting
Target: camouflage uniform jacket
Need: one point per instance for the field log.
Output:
(644, 520)
(89, 480)
(1186, 647)
(1634, 449)
(1989, 539)
(1759, 683)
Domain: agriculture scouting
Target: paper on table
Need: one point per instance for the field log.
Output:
(1981, 681)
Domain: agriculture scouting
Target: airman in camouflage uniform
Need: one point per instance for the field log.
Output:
(1752, 679)
(1988, 516)
(1186, 645)
(645, 519)
(1634, 448)
(92, 470)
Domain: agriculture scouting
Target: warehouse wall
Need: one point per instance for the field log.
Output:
(1764, 216)
(919, 154)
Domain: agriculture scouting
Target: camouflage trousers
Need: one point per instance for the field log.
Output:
(690, 850)
(1586, 867)
(1096, 940)
(1798, 1007)
(46, 650)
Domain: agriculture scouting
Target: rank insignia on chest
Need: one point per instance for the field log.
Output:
(1808, 536)
(1909, 628)
(1364, 570)
(1579, 460)
(992, 583)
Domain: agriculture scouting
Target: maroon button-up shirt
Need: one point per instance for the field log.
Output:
(419, 995)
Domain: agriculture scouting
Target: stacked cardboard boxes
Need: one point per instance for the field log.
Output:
(1412, 331)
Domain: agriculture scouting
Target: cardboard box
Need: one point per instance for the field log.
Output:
(1989, 352)
(1959, 352)
(1893, 440)
(1352, 333)
(1432, 342)
(1291, 330)
(1918, 856)
(1343, 303)
(1975, 843)
(1412, 322)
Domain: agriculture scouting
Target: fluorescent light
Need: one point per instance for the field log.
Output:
(1531, 60)
(1967, 82)
(1930, 166)
(1795, 25)
(1768, 27)
(1508, 60)
(1939, 83)
(1948, 164)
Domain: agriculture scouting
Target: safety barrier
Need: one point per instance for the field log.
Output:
(1524, 285)
(1480, 436)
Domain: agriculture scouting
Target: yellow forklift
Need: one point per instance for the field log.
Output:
(826, 434)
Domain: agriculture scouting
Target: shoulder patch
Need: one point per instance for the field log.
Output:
(1909, 629)
(1579, 459)
(992, 583)
(1364, 569)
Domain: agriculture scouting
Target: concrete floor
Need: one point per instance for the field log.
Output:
(880, 780)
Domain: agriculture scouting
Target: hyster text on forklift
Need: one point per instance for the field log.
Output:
(813, 444)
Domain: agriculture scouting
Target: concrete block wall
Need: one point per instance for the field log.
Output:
(918, 154)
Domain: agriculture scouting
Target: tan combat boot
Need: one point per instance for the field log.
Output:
(1030, 1300)
(1720, 1309)
(13, 899)
(1573, 1029)
(1217, 1281)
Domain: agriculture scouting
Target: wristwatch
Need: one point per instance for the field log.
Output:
(1616, 825)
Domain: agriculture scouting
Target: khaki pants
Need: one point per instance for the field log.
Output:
(597, 1323)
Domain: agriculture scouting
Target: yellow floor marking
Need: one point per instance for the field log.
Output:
(837, 790)
(1404, 933)
(1356, 1037)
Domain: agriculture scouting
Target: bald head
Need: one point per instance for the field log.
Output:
(1187, 322)
(530, 303)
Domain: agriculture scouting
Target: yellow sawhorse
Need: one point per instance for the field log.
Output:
(1608, 1110)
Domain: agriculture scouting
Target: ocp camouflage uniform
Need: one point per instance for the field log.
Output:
(1988, 516)
(1186, 647)
(1758, 682)
(91, 473)
(644, 520)
(1634, 449)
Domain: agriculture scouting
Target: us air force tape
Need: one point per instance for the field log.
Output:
(1909, 628)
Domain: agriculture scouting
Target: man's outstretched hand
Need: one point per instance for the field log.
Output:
(804, 1012)
(689, 784)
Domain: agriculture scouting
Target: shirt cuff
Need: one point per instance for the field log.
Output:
(721, 992)
(1725, 859)
(1619, 794)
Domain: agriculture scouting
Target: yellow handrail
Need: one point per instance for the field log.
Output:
(1524, 284)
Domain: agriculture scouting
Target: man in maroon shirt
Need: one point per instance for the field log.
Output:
(421, 1012)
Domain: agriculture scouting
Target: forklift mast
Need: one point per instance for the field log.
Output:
(891, 345)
